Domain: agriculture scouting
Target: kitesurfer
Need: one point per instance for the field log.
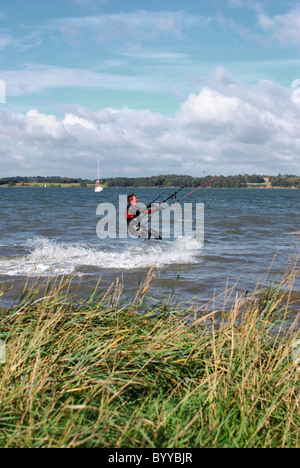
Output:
(134, 213)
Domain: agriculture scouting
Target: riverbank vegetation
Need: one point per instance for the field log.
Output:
(171, 180)
(149, 372)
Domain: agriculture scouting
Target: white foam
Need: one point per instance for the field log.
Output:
(293, 233)
(48, 257)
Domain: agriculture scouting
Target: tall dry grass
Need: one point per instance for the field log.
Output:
(105, 373)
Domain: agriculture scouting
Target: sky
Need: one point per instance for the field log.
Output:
(149, 88)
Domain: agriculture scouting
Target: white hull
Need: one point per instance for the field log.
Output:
(98, 188)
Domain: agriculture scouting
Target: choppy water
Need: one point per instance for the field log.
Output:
(53, 231)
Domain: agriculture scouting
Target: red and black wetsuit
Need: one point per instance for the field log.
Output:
(134, 223)
(134, 211)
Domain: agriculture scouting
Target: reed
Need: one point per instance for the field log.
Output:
(103, 372)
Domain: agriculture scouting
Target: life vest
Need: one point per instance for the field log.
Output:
(133, 212)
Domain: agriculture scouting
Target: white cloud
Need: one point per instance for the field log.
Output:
(283, 28)
(253, 5)
(90, 31)
(138, 25)
(232, 128)
(5, 40)
(9, 40)
(41, 126)
(71, 119)
(35, 78)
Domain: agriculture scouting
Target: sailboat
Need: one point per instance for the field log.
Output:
(98, 187)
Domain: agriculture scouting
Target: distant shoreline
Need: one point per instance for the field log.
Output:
(159, 181)
(33, 185)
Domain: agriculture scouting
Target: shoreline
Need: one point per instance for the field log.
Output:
(141, 187)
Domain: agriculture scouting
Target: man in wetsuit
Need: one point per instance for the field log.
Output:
(134, 219)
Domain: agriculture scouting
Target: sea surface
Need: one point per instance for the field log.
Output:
(250, 238)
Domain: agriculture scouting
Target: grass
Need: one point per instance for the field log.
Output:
(101, 372)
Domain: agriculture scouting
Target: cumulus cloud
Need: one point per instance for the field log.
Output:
(43, 127)
(71, 119)
(231, 128)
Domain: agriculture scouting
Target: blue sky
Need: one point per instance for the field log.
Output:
(105, 78)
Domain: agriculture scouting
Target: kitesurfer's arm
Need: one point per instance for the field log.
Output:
(153, 210)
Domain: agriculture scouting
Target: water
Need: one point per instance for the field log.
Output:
(52, 231)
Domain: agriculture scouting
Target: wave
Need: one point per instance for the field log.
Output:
(292, 233)
(45, 256)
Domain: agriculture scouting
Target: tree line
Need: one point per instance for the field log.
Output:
(236, 181)
(170, 180)
(43, 180)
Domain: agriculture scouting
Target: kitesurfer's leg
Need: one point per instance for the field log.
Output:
(142, 231)
(147, 233)
(134, 229)
(155, 234)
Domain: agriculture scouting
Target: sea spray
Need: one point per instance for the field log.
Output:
(45, 256)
